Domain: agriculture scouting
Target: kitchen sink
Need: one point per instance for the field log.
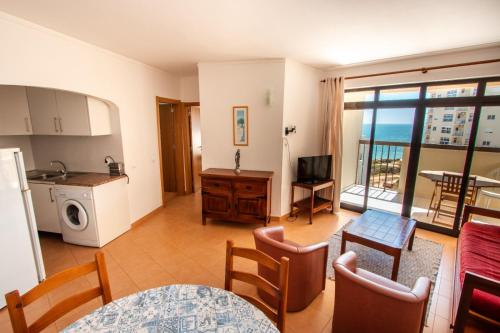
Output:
(51, 177)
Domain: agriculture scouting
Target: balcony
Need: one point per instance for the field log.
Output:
(388, 175)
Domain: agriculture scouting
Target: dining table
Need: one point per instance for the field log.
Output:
(175, 309)
(437, 175)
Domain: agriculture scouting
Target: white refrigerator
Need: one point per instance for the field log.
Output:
(21, 264)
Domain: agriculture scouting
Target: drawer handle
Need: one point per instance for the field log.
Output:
(248, 187)
(216, 184)
(55, 125)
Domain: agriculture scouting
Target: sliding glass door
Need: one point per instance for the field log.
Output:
(410, 149)
(393, 131)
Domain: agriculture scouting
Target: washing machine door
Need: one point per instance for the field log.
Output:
(74, 215)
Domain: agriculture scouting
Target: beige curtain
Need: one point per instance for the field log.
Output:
(332, 107)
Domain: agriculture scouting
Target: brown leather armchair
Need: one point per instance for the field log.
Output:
(307, 266)
(366, 302)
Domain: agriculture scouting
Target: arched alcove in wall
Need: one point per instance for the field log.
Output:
(53, 124)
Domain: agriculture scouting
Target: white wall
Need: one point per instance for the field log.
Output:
(35, 56)
(419, 62)
(300, 108)
(352, 125)
(189, 89)
(23, 142)
(224, 85)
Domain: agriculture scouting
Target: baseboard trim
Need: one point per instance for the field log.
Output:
(146, 217)
(280, 218)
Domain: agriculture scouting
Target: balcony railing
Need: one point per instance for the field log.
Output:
(387, 159)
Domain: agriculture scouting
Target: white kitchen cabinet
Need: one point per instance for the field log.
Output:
(43, 110)
(73, 113)
(44, 205)
(57, 112)
(14, 111)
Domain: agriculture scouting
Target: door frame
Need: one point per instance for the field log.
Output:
(420, 105)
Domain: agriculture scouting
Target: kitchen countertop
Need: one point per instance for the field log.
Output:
(89, 179)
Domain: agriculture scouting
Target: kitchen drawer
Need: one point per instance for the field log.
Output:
(216, 185)
(258, 188)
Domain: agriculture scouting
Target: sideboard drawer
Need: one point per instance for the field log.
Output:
(215, 185)
(257, 188)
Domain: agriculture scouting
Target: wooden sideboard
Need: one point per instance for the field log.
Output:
(243, 197)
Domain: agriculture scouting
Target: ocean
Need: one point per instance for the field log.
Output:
(388, 132)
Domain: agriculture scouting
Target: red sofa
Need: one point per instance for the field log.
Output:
(477, 273)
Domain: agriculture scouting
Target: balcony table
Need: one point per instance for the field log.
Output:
(176, 308)
(437, 175)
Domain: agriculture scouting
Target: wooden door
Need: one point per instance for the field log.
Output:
(196, 147)
(167, 134)
(183, 150)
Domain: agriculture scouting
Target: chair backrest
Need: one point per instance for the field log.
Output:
(451, 184)
(16, 302)
(280, 292)
(369, 303)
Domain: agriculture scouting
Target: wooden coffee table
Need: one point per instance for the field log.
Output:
(381, 231)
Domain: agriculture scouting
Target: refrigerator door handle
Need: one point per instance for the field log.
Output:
(21, 171)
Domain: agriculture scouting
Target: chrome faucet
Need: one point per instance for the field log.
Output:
(63, 169)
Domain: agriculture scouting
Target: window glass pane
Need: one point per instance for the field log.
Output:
(486, 163)
(488, 132)
(492, 89)
(452, 90)
(360, 96)
(399, 93)
(448, 126)
(356, 144)
(445, 139)
(393, 132)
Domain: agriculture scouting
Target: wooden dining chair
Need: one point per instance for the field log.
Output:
(280, 292)
(450, 191)
(16, 302)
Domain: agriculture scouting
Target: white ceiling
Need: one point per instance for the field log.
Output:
(175, 35)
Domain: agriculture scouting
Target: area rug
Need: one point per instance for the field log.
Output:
(423, 260)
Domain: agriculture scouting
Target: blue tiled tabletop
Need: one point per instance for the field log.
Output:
(177, 309)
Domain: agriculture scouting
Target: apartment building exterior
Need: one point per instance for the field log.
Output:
(452, 125)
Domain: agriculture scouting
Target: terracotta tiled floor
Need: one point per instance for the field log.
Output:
(173, 247)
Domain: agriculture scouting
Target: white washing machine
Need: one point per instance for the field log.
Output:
(93, 216)
(77, 215)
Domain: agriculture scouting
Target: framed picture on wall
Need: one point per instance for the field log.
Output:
(240, 125)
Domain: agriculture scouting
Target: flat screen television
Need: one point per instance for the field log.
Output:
(314, 169)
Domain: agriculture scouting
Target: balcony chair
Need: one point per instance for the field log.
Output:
(449, 193)
(369, 303)
(307, 266)
(278, 290)
(16, 303)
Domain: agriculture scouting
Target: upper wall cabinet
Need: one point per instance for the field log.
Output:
(14, 111)
(55, 112)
